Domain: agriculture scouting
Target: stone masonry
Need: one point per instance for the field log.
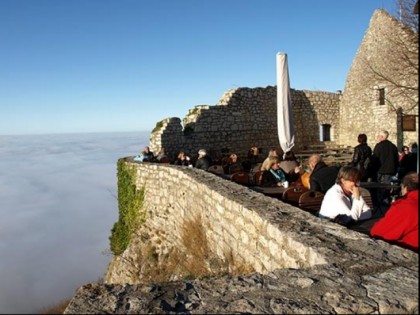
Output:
(246, 117)
(360, 110)
(303, 264)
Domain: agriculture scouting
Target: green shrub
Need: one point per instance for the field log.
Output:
(158, 126)
(130, 203)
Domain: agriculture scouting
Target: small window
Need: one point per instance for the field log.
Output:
(325, 132)
(381, 96)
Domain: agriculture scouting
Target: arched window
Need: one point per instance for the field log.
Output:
(325, 132)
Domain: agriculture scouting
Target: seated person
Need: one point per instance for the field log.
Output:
(161, 154)
(203, 162)
(401, 222)
(344, 198)
(277, 176)
(303, 176)
(267, 162)
(145, 156)
(233, 165)
(408, 163)
(322, 176)
(288, 166)
(182, 159)
(251, 159)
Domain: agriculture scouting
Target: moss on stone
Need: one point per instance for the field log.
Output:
(130, 204)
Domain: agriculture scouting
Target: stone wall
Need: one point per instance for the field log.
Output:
(246, 117)
(302, 263)
(388, 49)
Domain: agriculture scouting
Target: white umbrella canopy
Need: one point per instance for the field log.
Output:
(284, 105)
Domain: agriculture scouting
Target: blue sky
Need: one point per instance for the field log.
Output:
(108, 65)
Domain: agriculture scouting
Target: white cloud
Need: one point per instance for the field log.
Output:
(57, 198)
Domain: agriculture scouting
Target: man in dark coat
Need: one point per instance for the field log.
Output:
(204, 161)
(361, 157)
(322, 176)
(385, 158)
(385, 161)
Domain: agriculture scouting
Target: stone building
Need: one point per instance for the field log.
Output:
(382, 85)
(296, 262)
(246, 117)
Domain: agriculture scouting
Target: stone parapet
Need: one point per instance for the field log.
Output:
(302, 264)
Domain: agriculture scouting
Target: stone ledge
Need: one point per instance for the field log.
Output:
(345, 271)
(327, 289)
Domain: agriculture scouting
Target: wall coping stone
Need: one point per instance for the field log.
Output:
(359, 274)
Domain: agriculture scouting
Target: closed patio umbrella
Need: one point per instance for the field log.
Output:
(284, 105)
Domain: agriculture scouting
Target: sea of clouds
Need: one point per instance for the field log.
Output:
(58, 204)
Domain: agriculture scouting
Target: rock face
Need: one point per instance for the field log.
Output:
(319, 290)
(302, 264)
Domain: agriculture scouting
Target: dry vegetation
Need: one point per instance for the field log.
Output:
(58, 308)
(196, 259)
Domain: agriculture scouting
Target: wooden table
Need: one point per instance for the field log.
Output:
(364, 226)
(275, 191)
(376, 185)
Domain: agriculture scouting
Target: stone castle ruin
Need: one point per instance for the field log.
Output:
(246, 117)
(286, 260)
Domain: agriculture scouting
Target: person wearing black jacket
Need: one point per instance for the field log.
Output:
(385, 158)
(385, 162)
(361, 157)
(204, 161)
(322, 176)
(409, 162)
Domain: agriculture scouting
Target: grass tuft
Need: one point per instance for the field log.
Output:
(194, 260)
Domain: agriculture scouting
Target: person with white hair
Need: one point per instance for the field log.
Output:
(385, 161)
(385, 158)
(203, 162)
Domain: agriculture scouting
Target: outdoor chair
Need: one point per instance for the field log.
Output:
(241, 178)
(260, 178)
(292, 194)
(165, 160)
(216, 169)
(367, 197)
(311, 201)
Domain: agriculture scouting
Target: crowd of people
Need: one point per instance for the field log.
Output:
(395, 221)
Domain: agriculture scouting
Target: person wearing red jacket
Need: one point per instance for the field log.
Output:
(400, 225)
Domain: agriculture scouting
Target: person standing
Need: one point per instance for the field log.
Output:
(361, 157)
(385, 158)
(385, 162)
(409, 162)
(405, 150)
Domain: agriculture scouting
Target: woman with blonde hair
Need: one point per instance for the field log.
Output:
(272, 155)
(277, 176)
